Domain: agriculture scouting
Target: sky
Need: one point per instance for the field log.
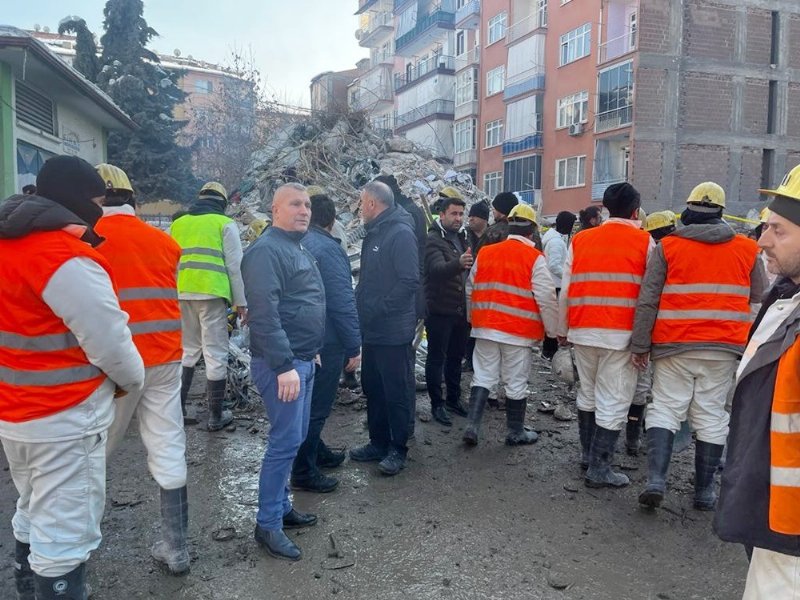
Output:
(291, 40)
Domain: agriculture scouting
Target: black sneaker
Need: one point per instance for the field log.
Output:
(456, 407)
(392, 464)
(440, 415)
(367, 453)
(328, 459)
(295, 520)
(319, 483)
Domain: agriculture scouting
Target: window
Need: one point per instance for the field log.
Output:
(541, 8)
(632, 27)
(465, 135)
(203, 86)
(614, 97)
(466, 86)
(493, 183)
(495, 80)
(497, 27)
(570, 172)
(573, 109)
(523, 175)
(524, 118)
(576, 44)
(35, 109)
(494, 133)
(461, 43)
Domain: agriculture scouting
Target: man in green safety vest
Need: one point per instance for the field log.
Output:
(209, 278)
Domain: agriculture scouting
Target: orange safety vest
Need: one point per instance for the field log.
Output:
(608, 264)
(43, 369)
(144, 261)
(502, 298)
(706, 295)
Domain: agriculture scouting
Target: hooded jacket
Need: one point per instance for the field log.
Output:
(444, 276)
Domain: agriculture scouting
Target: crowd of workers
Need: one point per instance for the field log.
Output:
(107, 317)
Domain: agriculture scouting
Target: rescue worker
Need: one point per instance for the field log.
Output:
(692, 316)
(661, 224)
(555, 242)
(602, 276)
(502, 205)
(64, 349)
(209, 276)
(512, 303)
(477, 223)
(144, 262)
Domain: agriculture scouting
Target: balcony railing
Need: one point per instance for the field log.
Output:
(523, 83)
(524, 26)
(445, 108)
(469, 15)
(599, 187)
(618, 46)
(365, 4)
(470, 57)
(368, 98)
(398, 4)
(436, 63)
(437, 18)
(612, 119)
(520, 144)
(465, 158)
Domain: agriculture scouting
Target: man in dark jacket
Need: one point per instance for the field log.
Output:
(448, 259)
(287, 324)
(498, 231)
(478, 224)
(385, 298)
(342, 343)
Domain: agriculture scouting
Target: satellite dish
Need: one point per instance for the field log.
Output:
(177, 52)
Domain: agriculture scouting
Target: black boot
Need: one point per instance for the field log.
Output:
(659, 453)
(277, 544)
(187, 374)
(707, 458)
(217, 417)
(586, 427)
(71, 586)
(515, 423)
(599, 473)
(477, 402)
(171, 550)
(327, 458)
(23, 576)
(633, 429)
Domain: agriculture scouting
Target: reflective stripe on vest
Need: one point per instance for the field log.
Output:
(42, 343)
(50, 377)
(148, 294)
(202, 262)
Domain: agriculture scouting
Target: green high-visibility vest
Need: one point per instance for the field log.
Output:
(202, 265)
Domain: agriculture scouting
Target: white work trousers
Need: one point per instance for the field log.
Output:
(772, 576)
(493, 362)
(695, 388)
(204, 327)
(608, 382)
(158, 408)
(62, 494)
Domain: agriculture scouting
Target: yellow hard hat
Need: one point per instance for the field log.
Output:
(763, 216)
(451, 192)
(217, 188)
(789, 187)
(707, 192)
(114, 177)
(315, 190)
(523, 211)
(255, 229)
(660, 219)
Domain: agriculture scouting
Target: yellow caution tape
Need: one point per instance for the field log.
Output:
(741, 219)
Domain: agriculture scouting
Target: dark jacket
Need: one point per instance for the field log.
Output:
(389, 280)
(341, 318)
(496, 232)
(444, 275)
(420, 231)
(21, 215)
(286, 299)
(742, 514)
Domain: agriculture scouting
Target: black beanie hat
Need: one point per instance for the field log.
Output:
(72, 182)
(621, 200)
(480, 210)
(565, 220)
(504, 202)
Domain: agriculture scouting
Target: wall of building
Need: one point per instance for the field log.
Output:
(7, 150)
(436, 135)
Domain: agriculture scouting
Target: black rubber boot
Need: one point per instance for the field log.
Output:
(477, 402)
(71, 586)
(23, 576)
(601, 454)
(217, 417)
(633, 429)
(171, 550)
(586, 427)
(515, 423)
(707, 458)
(659, 453)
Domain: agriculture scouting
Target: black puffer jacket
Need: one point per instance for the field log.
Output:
(21, 215)
(444, 275)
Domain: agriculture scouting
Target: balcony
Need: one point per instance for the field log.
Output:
(467, 109)
(528, 81)
(365, 5)
(462, 159)
(427, 30)
(613, 119)
(520, 144)
(368, 98)
(599, 187)
(443, 65)
(400, 4)
(618, 46)
(525, 26)
(437, 109)
(468, 59)
(469, 15)
(379, 27)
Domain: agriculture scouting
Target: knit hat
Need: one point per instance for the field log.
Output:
(504, 202)
(565, 220)
(72, 182)
(480, 210)
(621, 199)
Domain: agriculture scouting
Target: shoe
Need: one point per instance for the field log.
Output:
(327, 458)
(562, 412)
(707, 458)
(633, 429)
(319, 483)
(392, 464)
(586, 427)
(217, 417)
(456, 407)
(71, 586)
(477, 403)
(601, 453)
(172, 550)
(23, 575)
(659, 453)
(440, 415)
(350, 381)
(295, 520)
(367, 453)
(277, 544)
(515, 423)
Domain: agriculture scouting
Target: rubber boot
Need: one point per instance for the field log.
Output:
(171, 550)
(599, 473)
(187, 374)
(515, 423)
(633, 429)
(707, 458)
(659, 453)
(477, 402)
(586, 427)
(71, 586)
(217, 417)
(23, 576)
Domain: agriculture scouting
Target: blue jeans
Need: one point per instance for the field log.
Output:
(288, 428)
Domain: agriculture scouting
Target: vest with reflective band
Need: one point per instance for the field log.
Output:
(202, 268)
(501, 295)
(144, 261)
(784, 489)
(608, 264)
(706, 296)
(43, 369)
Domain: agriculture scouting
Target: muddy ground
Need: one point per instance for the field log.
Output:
(490, 523)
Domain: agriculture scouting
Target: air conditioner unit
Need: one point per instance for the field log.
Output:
(576, 129)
